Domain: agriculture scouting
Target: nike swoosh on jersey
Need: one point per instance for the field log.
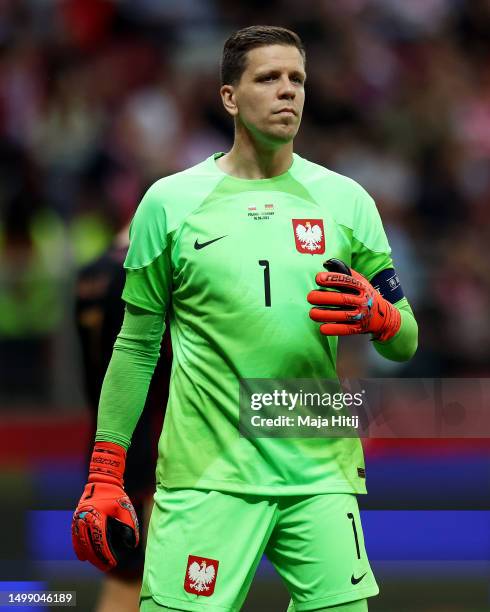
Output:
(355, 580)
(200, 245)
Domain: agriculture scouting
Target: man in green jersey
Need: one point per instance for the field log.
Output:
(231, 249)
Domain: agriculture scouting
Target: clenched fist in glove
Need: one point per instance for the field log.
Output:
(105, 527)
(347, 304)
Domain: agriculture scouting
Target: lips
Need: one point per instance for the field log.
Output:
(286, 110)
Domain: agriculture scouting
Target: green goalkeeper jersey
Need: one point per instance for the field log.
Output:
(231, 260)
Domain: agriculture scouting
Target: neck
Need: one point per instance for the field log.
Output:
(250, 159)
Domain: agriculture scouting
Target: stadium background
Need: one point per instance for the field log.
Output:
(99, 98)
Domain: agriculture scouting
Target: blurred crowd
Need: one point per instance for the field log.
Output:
(99, 98)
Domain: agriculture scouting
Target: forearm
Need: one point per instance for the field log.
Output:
(402, 346)
(128, 376)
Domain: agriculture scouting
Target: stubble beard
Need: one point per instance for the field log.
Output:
(277, 133)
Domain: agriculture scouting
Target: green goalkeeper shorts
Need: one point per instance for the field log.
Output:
(204, 547)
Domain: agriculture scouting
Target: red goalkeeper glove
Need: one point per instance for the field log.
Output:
(349, 304)
(104, 526)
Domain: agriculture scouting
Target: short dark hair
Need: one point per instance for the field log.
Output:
(234, 59)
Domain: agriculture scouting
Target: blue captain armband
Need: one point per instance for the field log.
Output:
(388, 284)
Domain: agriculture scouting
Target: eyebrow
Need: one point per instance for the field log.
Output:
(302, 75)
(275, 71)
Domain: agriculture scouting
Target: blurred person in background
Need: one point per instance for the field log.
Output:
(99, 315)
(30, 282)
(198, 249)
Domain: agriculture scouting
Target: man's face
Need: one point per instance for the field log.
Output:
(270, 95)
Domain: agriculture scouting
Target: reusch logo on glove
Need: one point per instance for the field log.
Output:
(334, 277)
(106, 461)
(200, 575)
(309, 236)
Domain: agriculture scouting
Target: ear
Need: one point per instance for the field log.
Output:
(228, 98)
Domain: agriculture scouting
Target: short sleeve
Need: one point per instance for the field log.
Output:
(148, 230)
(149, 287)
(371, 252)
(148, 270)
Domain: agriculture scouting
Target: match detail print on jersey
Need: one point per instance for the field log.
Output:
(309, 236)
(200, 575)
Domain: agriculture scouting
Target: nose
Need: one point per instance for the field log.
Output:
(286, 89)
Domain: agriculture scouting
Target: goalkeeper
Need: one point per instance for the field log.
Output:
(231, 249)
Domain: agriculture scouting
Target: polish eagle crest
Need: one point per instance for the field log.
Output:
(201, 576)
(309, 236)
